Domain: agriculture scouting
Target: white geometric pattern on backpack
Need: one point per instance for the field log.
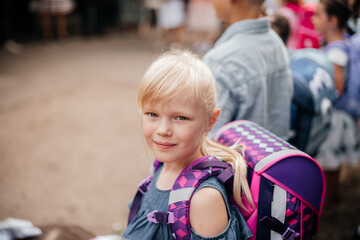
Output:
(257, 141)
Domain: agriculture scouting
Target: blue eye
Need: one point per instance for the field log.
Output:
(151, 114)
(181, 118)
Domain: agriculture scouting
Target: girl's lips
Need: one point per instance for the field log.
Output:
(164, 145)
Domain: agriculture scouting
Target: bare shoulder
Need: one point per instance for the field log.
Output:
(208, 215)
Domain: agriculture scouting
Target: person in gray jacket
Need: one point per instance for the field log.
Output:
(251, 66)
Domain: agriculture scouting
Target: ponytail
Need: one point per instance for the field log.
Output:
(355, 10)
(234, 156)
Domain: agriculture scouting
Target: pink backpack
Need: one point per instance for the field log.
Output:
(287, 186)
(303, 34)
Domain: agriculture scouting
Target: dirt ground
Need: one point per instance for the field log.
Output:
(71, 150)
(344, 220)
(70, 145)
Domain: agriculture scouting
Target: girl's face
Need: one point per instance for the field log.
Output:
(175, 130)
(321, 19)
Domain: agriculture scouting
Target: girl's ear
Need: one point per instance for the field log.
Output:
(333, 20)
(213, 119)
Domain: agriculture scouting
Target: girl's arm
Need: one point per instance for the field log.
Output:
(339, 78)
(208, 214)
(339, 58)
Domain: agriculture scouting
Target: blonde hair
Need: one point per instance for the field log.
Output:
(182, 73)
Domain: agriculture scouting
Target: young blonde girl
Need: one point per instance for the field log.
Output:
(177, 102)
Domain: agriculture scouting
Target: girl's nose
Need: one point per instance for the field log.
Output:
(164, 128)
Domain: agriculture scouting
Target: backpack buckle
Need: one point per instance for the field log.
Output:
(143, 186)
(290, 234)
(161, 217)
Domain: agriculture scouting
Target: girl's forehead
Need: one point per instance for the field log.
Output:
(176, 103)
(320, 8)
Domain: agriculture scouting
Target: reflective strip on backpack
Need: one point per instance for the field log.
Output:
(272, 157)
(182, 194)
(152, 170)
(278, 208)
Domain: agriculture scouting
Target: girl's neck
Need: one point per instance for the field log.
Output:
(244, 11)
(333, 36)
(169, 173)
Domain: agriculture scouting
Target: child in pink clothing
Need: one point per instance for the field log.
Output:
(302, 32)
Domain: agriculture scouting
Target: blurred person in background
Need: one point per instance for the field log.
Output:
(149, 16)
(314, 92)
(250, 64)
(287, 9)
(129, 13)
(302, 32)
(49, 8)
(172, 17)
(354, 21)
(271, 6)
(342, 146)
(6, 40)
(202, 25)
(92, 16)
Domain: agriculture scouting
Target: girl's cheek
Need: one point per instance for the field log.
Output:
(147, 127)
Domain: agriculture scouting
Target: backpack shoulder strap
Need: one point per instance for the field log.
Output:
(143, 187)
(344, 45)
(185, 186)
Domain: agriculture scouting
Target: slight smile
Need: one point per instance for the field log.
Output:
(164, 145)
